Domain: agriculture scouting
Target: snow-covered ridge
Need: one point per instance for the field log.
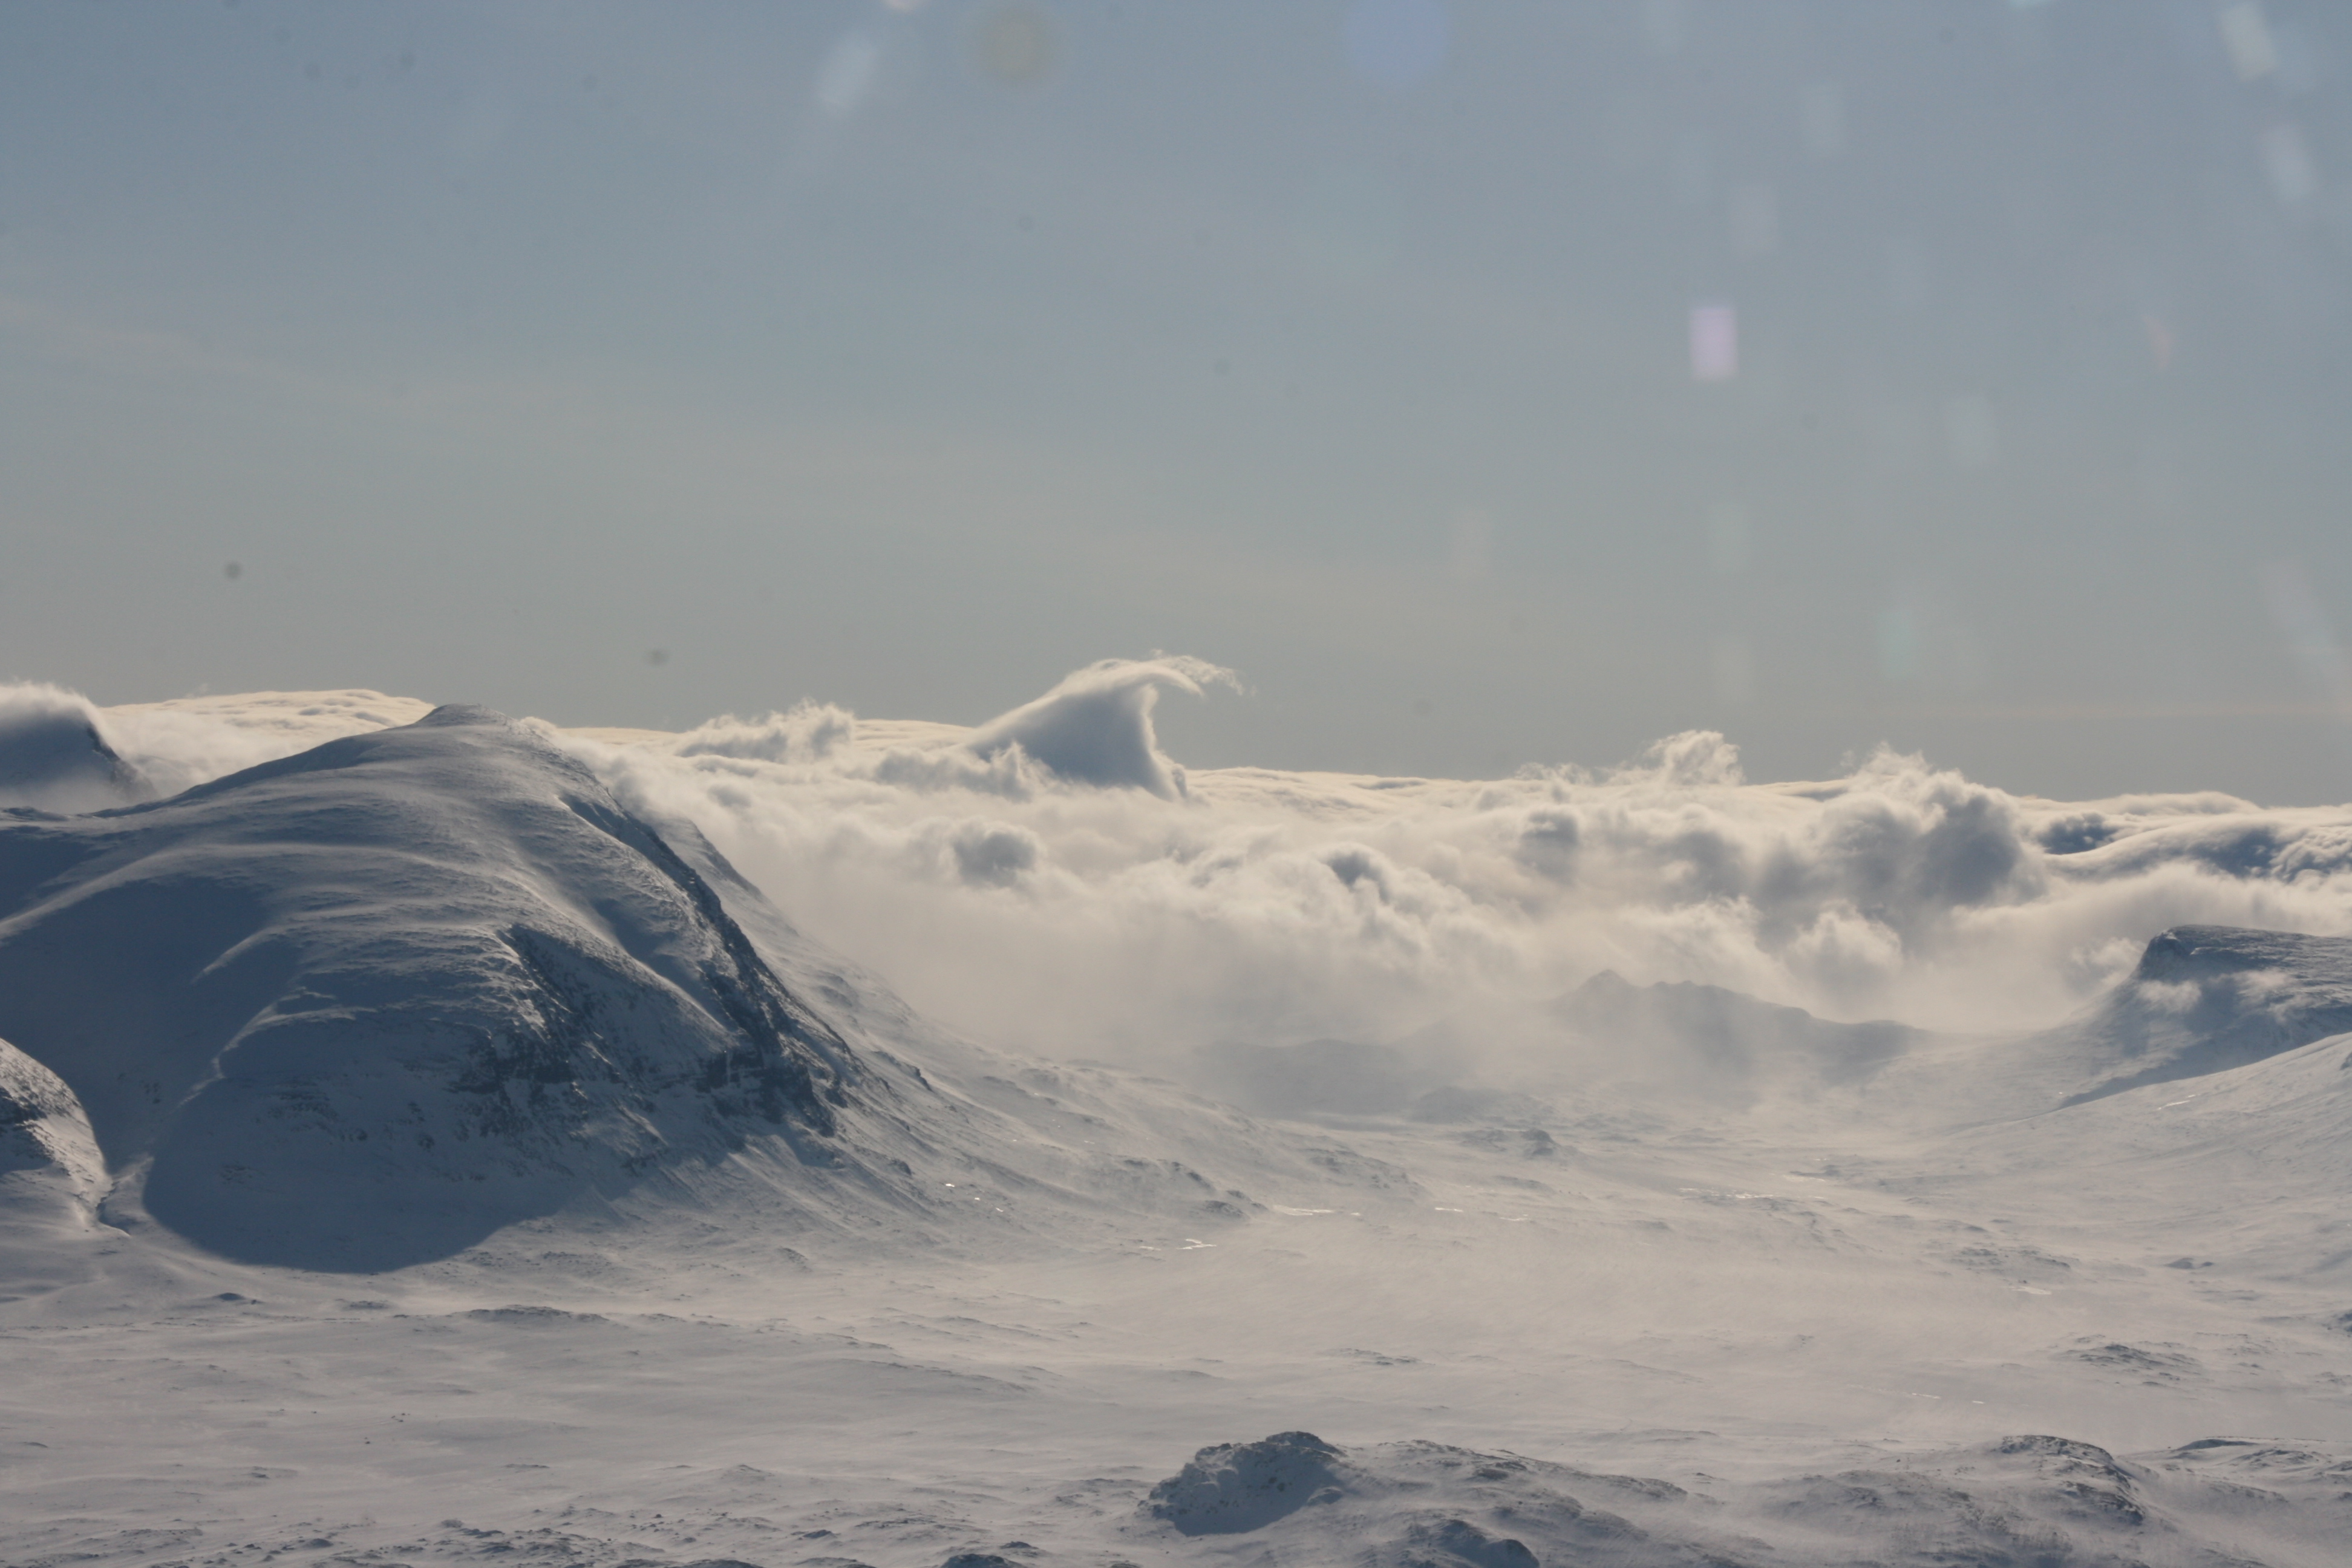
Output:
(383, 996)
(2204, 999)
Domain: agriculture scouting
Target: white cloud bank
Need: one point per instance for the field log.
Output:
(1051, 880)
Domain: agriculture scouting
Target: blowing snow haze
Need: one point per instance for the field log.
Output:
(1718, 933)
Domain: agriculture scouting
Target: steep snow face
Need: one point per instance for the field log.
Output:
(51, 1177)
(366, 1005)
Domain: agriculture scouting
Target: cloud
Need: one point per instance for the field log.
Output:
(1062, 909)
(1096, 726)
(810, 732)
(992, 855)
(1050, 880)
(189, 739)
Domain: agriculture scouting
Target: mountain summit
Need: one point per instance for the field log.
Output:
(366, 1005)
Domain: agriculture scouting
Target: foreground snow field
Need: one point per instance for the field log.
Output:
(424, 1145)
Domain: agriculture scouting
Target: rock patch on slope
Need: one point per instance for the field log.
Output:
(1234, 1487)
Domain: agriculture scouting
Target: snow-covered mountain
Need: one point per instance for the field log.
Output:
(367, 1004)
(374, 1001)
(2207, 998)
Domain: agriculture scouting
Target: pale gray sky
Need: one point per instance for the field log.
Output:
(628, 363)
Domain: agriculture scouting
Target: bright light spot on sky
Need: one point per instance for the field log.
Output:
(848, 74)
(2247, 35)
(1714, 343)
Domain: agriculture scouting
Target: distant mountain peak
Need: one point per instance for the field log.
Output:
(2194, 950)
(1733, 1035)
(2207, 998)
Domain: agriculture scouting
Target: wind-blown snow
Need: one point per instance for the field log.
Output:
(54, 753)
(1051, 880)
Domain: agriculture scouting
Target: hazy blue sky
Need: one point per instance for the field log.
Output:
(627, 363)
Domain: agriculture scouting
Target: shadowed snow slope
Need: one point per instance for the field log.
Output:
(53, 755)
(2207, 998)
(369, 1002)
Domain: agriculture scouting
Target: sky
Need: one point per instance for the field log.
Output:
(1488, 385)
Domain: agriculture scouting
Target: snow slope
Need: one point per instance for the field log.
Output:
(372, 1003)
